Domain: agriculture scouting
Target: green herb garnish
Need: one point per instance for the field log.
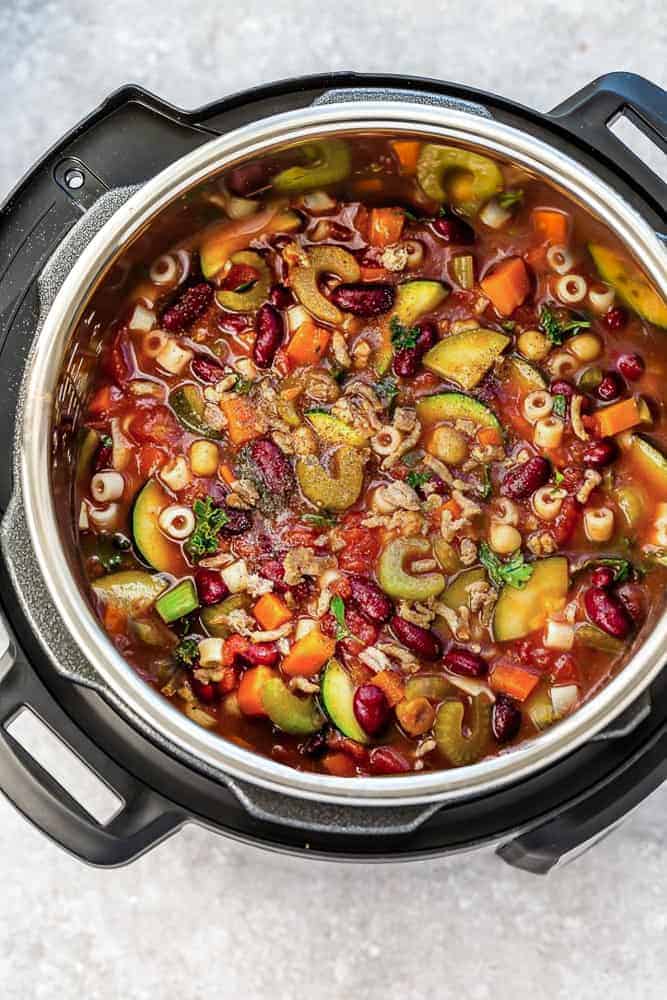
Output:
(555, 330)
(106, 441)
(187, 651)
(403, 337)
(508, 199)
(623, 568)
(508, 325)
(209, 520)
(337, 607)
(558, 477)
(560, 405)
(242, 386)
(410, 216)
(319, 520)
(386, 389)
(417, 479)
(515, 572)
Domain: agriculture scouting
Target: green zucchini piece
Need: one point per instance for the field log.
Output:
(131, 591)
(520, 612)
(466, 357)
(214, 616)
(226, 238)
(397, 581)
(305, 280)
(539, 709)
(337, 693)
(435, 687)
(178, 602)
(464, 179)
(452, 406)
(629, 284)
(252, 298)
(329, 163)
(333, 430)
(455, 594)
(650, 463)
(89, 445)
(151, 543)
(332, 492)
(461, 750)
(187, 402)
(413, 300)
(298, 716)
(595, 638)
(521, 373)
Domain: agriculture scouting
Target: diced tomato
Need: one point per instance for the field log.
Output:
(361, 545)
(154, 424)
(105, 401)
(238, 276)
(149, 459)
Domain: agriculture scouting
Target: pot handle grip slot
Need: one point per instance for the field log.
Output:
(591, 112)
(145, 818)
(594, 815)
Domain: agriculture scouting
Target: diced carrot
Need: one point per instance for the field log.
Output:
(386, 226)
(339, 764)
(226, 472)
(309, 344)
(372, 273)
(114, 619)
(507, 286)
(618, 417)
(489, 436)
(453, 507)
(243, 419)
(250, 690)
(551, 224)
(391, 684)
(513, 680)
(271, 611)
(407, 152)
(309, 654)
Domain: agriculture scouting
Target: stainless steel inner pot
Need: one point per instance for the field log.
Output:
(109, 671)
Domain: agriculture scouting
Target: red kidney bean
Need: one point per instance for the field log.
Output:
(103, 457)
(270, 332)
(274, 570)
(561, 388)
(563, 525)
(520, 482)
(631, 366)
(610, 387)
(207, 369)
(188, 308)
(211, 588)
(505, 718)
(370, 599)
(281, 296)
(204, 692)
(233, 322)
(343, 744)
(248, 178)
(420, 641)
(406, 361)
(599, 453)
(615, 318)
(633, 600)
(385, 760)
(454, 230)
(607, 612)
(602, 577)
(238, 522)
(264, 654)
(364, 299)
(466, 663)
(371, 708)
(273, 466)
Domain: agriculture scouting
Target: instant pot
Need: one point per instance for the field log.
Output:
(63, 230)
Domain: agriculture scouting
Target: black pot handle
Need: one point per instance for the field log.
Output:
(589, 113)
(145, 818)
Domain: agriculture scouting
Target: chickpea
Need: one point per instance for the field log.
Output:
(533, 345)
(585, 347)
(415, 715)
(204, 458)
(449, 445)
(504, 538)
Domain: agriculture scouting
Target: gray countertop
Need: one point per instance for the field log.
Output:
(201, 916)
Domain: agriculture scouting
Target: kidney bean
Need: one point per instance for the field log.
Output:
(610, 387)
(281, 296)
(364, 299)
(520, 482)
(406, 361)
(343, 744)
(274, 570)
(370, 599)
(233, 322)
(454, 230)
(599, 453)
(270, 332)
(238, 522)
(633, 600)
(204, 692)
(273, 466)
(262, 654)
(248, 178)
(561, 388)
(615, 318)
(385, 760)
(563, 525)
(602, 577)
(505, 718)
(193, 302)
(371, 708)
(420, 641)
(207, 369)
(211, 588)
(631, 366)
(463, 661)
(607, 612)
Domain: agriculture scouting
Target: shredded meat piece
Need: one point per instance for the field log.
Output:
(467, 551)
(394, 257)
(375, 659)
(542, 543)
(304, 684)
(302, 561)
(405, 521)
(272, 635)
(395, 496)
(406, 445)
(405, 419)
(592, 479)
(576, 418)
(417, 613)
(458, 621)
(439, 468)
(340, 351)
(243, 495)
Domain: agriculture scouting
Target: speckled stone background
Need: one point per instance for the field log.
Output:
(202, 917)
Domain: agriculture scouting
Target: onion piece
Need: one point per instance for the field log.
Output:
(471, 685)
(494, 215)
(564, 698)
(142, 319)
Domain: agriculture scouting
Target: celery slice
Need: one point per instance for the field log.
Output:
(181, 600)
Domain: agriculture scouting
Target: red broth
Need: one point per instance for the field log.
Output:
(372, 477)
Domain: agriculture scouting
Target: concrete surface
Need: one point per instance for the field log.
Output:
(201, 916)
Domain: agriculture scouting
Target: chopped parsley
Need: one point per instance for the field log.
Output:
(209, 520)
(417, 479)
(560, 405)
(386, 389)
(508, 199)
(509, 325)
(242, 386)
(337, 607)
(106, 441)
(187, 651)
(403, 337)
(515, 572)
(554, 329)
(410, 216)
(558, 477)
(323, 520)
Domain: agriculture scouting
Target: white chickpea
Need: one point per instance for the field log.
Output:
(204, 457)
(547, 502)
(599, 524)
(536, 405)
(533, 345)
(504, 538)
(585, 347)
(548, 432)
(449, 445)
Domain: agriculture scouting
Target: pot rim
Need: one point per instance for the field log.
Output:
(218, 754)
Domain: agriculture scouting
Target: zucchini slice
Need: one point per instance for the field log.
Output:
(466, 357)
(187, 402)
(456, 594)
(299, 716)
(130, 590)
(464, 179)
(153, 546)
(520, 612)
(337, 692)
(413, 300)
(650, 463)
(629, 284)
(452, 406)
(332, 430)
